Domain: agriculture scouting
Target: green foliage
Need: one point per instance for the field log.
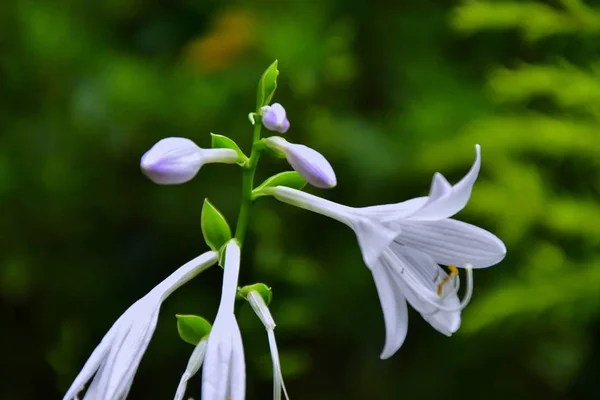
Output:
(220, 141)
(192, 328)
(265, 292)
(288, 178)
(215, 228)
(267, 86)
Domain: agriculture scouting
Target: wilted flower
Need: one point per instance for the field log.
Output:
(308, 162)
(176, 160)
(224, 374)
(262, 311)
(403, 243)
(274, 118)
(117, 357)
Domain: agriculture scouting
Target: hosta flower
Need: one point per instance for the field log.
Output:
(224, 373)
(403, 245)
(114, 362)
(274, 118)
(262, 311)
(193, 366)
(176, 160)
(308, 162)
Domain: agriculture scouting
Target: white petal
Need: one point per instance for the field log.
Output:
(278, 384)
(453, 201)
(215, 374)
(193, 366)
(418, 276)
(313, 203)
(453, 242)
(439, 187)
(230, 277)
(183, 274)
(91, 365)
(393, 211)
(373, 239)
(237, 382)
(395, 313)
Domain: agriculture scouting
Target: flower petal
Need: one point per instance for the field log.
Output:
(453, 242)
(215, 374)
(451, 202)
(237, 381)
(192, 368)
(417, 276)
(91, 365)
(395, 313)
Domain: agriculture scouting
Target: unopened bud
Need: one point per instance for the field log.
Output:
(308, 162)
(274, 118)
(175, 160)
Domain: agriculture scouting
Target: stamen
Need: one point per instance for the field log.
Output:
(453, 272)
(464, 301)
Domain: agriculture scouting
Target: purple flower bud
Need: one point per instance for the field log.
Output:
(175, 160)
(274, 118)
(307, 162)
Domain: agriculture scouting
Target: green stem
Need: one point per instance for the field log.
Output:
(248, 185)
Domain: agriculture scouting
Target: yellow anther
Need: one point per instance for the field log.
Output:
(453, 272)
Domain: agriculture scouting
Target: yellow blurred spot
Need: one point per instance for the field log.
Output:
(453, 272)
(230, 37)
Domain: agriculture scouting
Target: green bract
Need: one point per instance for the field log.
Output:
(223, 142)
(267, 86)
(289, 178)
(265, 292)
(192, 328)
(214, 226)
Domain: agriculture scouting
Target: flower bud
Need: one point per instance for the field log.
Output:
(175, 160)
(274, 118)
(308, 162)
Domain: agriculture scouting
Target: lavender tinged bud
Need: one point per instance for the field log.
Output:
(175, 160)
(274, 118)
(307, 162)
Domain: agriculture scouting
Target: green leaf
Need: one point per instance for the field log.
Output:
(214, 226)
(192, 328)
(267, 86)
(290, 179)
(223, 142)
(265, 292)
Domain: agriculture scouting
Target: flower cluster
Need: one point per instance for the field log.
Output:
(403, 245)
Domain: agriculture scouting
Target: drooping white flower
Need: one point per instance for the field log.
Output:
(193, 366)
(224, 372)
(117, 357)
(274, 118)
(308, 162)
(403, 243)
(262, 311)
(176, 160)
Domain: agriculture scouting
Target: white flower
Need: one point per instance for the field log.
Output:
(224, 373)
(403, 243)
(260, 308)
(117, 357)
(193, 366)
(308, 162)
(176, 160)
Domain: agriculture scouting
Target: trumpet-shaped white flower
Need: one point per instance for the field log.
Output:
(403, 243)
(176, 160)
(262, 311)
(117, 357)
(193, 366)
(224, 373)
(306, 161)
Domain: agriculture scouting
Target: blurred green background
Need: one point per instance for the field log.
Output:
(389, 92)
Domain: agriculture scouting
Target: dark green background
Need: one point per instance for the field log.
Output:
(389, 92)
